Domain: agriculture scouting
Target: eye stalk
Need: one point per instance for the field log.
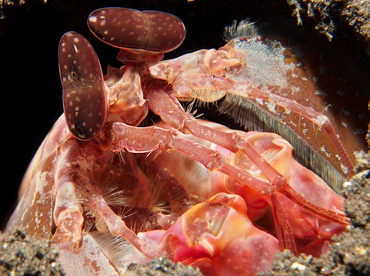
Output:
(139, 35)
(84, 98)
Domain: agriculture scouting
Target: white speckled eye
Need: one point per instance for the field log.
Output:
(124, 28)
(84, 100)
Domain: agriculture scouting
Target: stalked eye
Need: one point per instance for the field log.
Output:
(151, 31)
(84, 98)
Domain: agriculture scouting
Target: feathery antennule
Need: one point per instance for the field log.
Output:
(110, 192)
(242, 29)
(252, 118)
(113, 196)
(173, 197)
(199, 104)
(152, 154)
(152, 198)
(121, 155)
(118, 250)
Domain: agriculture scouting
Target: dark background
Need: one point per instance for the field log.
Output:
(29, 80)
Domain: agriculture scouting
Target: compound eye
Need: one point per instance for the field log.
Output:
(151, 31)
(84, 98)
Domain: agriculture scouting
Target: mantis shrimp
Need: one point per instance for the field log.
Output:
(110, 192)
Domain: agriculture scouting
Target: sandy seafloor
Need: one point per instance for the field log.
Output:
(29, 79)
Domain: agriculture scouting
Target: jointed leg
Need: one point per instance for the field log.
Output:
(67, 215)
(167, 107)
(150, 139)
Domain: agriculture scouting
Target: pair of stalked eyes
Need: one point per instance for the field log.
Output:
(143, 33)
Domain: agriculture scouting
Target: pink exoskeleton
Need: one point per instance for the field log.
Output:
(109, 192)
